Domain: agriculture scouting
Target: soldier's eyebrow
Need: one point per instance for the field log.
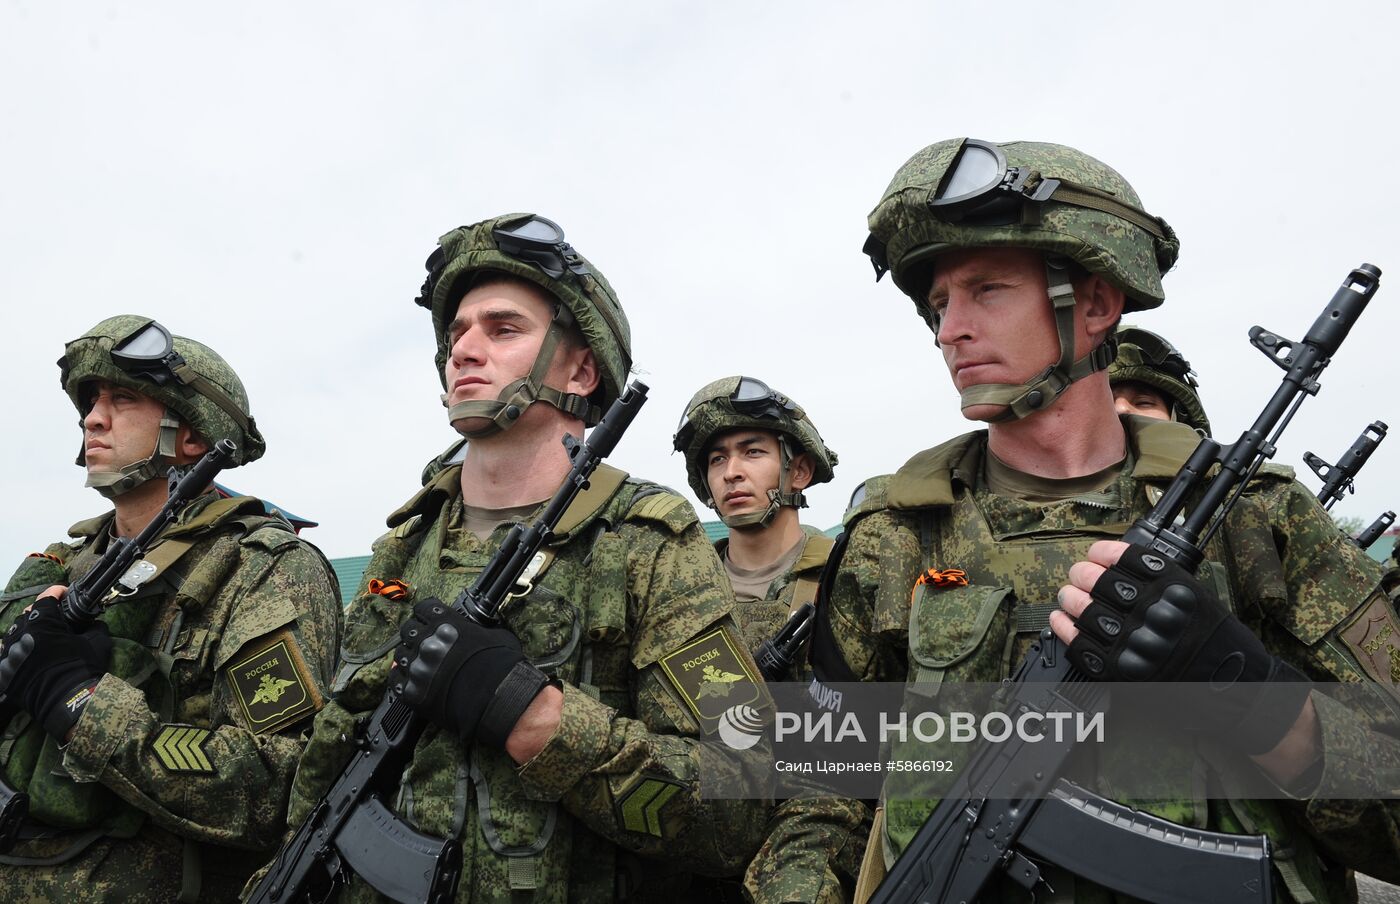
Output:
(744, 443)
(502, 315)
(986, 274)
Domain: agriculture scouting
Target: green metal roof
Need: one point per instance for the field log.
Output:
(1380, 550)
(348, 572)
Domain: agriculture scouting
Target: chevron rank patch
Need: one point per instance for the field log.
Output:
(711, 676)
(640, 806)
(180, 748)
(273, 686)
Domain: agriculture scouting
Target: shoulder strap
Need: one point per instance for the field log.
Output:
(824, 655)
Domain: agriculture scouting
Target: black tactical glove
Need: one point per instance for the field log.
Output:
(1150, 620)
(465, 677)
(49, 667)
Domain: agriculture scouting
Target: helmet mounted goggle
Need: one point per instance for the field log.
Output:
(148, 353)
(753, 398)
(980, 189)
(538, 241)
(1159, 354)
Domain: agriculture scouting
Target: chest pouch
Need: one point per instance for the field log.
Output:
(606, 662)
(81, 813)
(372, 620)
(957, 634)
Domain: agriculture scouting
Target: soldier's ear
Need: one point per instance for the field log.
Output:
(801, 470)
(582, 377)
(1102, 305)
(190, 446)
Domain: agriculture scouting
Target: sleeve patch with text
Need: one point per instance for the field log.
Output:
(273, 686)
(711, 677)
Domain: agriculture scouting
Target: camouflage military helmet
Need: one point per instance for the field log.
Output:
(195, 383)
(739, 402)
(966, 193)
(1145, 357)
(531, 248)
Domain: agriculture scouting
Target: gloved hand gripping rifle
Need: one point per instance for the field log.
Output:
(1009, 805)
(352, 830)
(118, 573)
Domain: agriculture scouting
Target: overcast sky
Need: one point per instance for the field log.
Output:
(268, 178)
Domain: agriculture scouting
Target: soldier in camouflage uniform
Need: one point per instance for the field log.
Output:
(564, 751)
(1023, 280)
(166, 775)
(750, 452)
(1151, 378)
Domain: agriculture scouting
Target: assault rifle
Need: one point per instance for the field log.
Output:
(118, 573)
(1009, 804)
(1373, 533)
(1340, 479)
(776, 655)
(352, 830)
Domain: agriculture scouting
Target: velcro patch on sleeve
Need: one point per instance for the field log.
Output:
(712, 676)
(272, 687)
(640, 806)
(1374, 637)
(664, 508)
(180, 748)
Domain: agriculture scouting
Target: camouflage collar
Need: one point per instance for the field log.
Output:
(206, 511)
(816, 548)
(1158, 450)
(447, 485)
(814, 552)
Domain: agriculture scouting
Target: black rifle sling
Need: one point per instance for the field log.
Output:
(823, 654)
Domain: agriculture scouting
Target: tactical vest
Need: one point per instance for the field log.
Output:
(1016, 555)
(760, 621)
(163, 638)
(572, 622)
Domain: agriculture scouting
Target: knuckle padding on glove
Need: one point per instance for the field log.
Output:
(464, 676)
(1150, 620)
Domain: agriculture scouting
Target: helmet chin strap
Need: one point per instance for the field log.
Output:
(505, 411)
(783, 495)
(112, 484)
(1037, 394)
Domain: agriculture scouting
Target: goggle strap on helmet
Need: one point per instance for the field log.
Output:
(1092, 198)
(189, 377)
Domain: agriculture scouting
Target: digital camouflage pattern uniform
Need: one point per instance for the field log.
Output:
(814, 845)
(759, 620)
(1279, 563)
(609, 809)
(627, 609)
(175, 781)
